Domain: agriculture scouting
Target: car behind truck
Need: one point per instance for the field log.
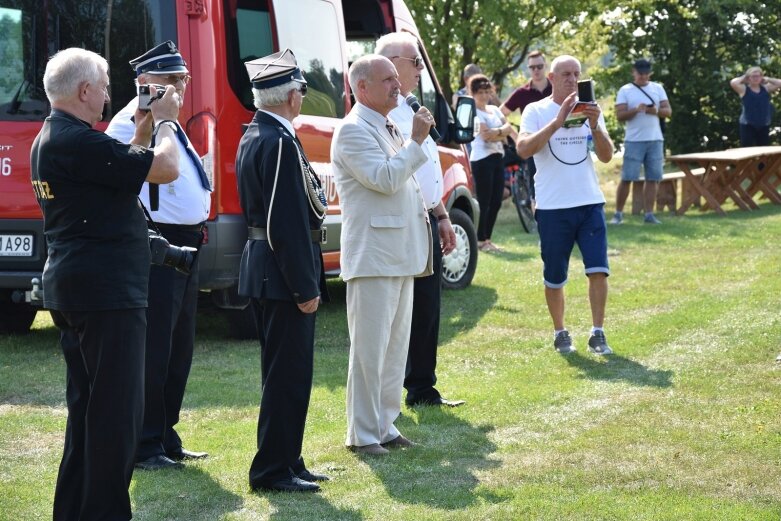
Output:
(215, 37)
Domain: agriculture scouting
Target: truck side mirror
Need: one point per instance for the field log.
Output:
(465, 119)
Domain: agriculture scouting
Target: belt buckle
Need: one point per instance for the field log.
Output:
(323, 235)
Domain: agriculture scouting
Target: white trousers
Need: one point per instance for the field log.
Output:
(379, 314)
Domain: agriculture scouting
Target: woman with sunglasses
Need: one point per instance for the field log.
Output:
(486, 159)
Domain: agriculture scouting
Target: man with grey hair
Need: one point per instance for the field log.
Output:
(401, 48)
(386, 241)
(96, 276)
(570, 203)
(281, 268)
(179, 211)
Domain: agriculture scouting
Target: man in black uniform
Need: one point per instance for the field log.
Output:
(95, 277)
(281, 268)
(178, 210)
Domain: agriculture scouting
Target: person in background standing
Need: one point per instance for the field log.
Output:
(756, 114)
(642, 104)
(486, 159)
(401, 48)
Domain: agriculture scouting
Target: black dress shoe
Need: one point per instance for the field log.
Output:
(434, 401)
(311, 476)
(291, 484)
(183, 453)
(158, 462)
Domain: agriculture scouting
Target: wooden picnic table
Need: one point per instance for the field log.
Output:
(737, 174)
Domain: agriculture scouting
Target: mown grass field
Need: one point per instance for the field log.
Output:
(683, 422)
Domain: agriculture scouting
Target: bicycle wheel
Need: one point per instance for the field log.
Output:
(521, 190)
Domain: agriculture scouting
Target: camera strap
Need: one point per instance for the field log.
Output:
(149, 219)
(644, 92)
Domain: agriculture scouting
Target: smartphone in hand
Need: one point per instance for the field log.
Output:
(586, 91)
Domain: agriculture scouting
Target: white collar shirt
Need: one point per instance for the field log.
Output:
(285, 123)
(429, 176)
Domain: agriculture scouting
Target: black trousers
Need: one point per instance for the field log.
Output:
(424, 333)
(489, 183)
(170, 335)
(287, 338)
(751, 136)
(104, 356)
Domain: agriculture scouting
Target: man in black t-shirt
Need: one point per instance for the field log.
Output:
(95, 277)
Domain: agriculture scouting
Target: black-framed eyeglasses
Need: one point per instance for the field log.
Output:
(173, 79)
(537, 67)
(418, 60)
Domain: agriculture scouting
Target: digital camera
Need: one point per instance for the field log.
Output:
(164, 253)
(145, 97)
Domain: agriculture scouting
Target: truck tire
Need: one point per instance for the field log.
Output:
(16, 318)
(458, 267)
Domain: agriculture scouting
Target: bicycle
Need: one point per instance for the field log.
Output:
(522, 190)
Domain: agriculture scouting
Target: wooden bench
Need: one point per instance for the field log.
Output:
(667, 195)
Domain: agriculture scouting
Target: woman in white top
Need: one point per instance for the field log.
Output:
(486, 159)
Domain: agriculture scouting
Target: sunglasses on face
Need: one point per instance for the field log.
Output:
(173, 79)
(537, 67)
(417, 59)
(303, 90)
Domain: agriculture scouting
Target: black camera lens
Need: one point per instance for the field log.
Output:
(181, 258)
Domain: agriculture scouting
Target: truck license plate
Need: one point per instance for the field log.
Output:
(16, 245)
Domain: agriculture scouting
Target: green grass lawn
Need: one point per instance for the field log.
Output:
(682, 423)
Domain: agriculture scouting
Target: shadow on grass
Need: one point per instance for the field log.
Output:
(463, 309)
(178, 494)
(296, 507)
(616, 368)
(440, 471)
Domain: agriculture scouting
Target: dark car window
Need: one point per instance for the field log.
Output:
(32, 31)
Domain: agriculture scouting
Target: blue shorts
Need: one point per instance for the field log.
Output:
(561, 229)
(649, 154)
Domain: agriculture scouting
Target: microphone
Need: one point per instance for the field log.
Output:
(412, 101)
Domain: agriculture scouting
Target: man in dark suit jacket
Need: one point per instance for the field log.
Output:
(281, 268)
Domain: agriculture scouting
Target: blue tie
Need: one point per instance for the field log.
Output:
(193, 157)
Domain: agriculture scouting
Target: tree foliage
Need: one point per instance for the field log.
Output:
(496, 35)
(697, 47)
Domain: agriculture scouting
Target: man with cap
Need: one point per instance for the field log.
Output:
(401, 48)
(178, 210)
(96, 277)
(281, 268)
(642, 104)
(386, 241)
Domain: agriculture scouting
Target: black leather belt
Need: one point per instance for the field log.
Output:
(180, 227)
(259, 234)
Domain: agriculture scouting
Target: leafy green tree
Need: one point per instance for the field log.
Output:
(496, 35)
(697, 46)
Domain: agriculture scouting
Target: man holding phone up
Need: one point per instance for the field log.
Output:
(641, 104)
(570, 204)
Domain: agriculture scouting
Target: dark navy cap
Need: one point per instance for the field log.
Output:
(642, 66)
(274, 70)
(163, 59)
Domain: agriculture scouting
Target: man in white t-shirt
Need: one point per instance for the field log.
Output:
(641, 104)
(570, 204)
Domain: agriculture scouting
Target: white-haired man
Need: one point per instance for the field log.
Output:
(570, 203)
(386, 241)
(178, 210)
(96, 276)
(402, 49)
(281, 268)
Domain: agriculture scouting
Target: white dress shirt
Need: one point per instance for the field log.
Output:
(429, 176)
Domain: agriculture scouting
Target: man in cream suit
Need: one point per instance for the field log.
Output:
(386, 241)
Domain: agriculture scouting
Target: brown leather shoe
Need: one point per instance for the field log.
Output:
(399, 442)
(373, 449)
